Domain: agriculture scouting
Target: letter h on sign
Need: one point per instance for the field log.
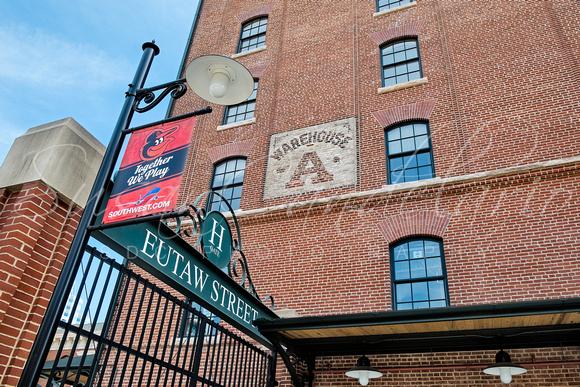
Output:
(214, 233)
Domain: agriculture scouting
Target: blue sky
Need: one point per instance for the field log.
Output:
(62, 58)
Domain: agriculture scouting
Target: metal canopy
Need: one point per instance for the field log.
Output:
(529, 324)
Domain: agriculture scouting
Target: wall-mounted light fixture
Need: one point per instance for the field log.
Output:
(363, 371)
(504, 368)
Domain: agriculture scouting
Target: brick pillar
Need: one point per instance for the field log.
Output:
(40, 207)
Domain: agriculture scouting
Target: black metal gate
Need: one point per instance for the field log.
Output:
(120, 329)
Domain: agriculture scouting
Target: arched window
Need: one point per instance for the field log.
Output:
(228, 178)
(242, 111)
(418, 274)
(383, 5)
(253, 34)
(401, 62)
(409, 155)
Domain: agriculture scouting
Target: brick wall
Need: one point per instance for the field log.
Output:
(36, 229)
(546, 367)
(503, 105)
(496, 102)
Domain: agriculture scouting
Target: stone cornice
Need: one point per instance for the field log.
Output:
(421, 186)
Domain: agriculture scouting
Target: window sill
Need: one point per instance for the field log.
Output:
(414, 184)
(399, 8)
(404, 85)
(236, 124)
(255, 50)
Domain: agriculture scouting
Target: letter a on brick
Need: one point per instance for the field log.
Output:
(303, 169)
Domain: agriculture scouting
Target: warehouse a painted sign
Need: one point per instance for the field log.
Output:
(312, 159)
(150, 173)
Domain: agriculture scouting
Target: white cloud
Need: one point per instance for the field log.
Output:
(33, 57)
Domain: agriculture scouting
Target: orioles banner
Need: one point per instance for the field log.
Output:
(150, 173)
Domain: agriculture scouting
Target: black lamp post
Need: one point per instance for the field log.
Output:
(217, 79)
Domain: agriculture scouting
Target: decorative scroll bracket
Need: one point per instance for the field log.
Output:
(176, 89)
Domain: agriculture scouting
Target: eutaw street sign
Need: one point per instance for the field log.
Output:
(159, 250)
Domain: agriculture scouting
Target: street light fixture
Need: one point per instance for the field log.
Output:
(219, 79)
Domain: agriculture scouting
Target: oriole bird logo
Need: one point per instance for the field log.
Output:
(156, 143)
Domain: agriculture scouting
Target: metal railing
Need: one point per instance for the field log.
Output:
(121, 329)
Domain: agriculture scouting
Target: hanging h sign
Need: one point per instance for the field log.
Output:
(216, 239)
(150, 173)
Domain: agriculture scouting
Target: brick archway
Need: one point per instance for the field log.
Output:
(241, 148)
(415, 111)
(410, 29)
(421, 222)
(263, 10)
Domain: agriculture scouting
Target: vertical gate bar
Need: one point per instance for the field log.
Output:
(134, 332)
(102, 258)
(266, 371)
(126, 324)
(186, 318)
(272, 360)
(207, 343)
(143, 330)
(110, 311)
(246, 361)
(262, 374)
(113, 331)
(166, 339)
(190, 368)
(257, 368)
(83, 318)
(217, 351)
(251, 366)
(175, 338)
(157, 345)
(198, 350)
(212, 344)
(151, 338)
(188, 355)
(221, 352)
(68, 324)
(235, 356)
(231, 349)
(58, 355)
(260, 369)
(238, 363)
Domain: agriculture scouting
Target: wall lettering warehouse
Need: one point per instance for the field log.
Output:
(312, 159)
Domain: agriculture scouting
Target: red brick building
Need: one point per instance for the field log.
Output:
(406, 180)
(403, 156)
